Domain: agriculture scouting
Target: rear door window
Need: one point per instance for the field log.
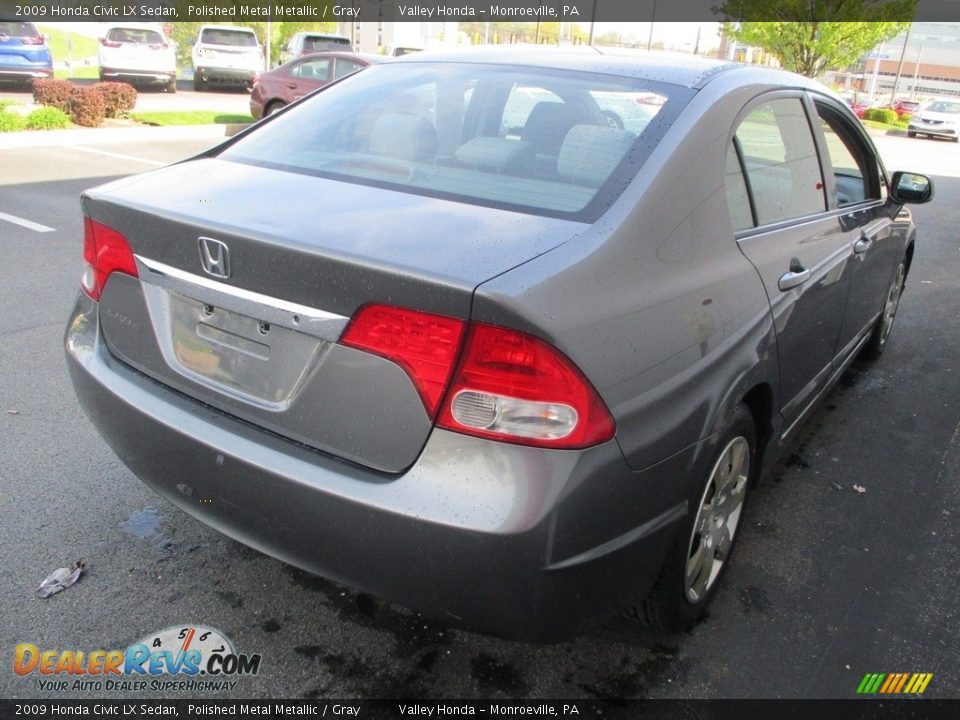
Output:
(781, 163)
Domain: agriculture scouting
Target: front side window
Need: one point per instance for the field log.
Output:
(780, 160)
(853, 164)
(533, 140)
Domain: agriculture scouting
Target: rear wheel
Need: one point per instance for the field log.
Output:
(199, 85)
(171, 86)
(910, 133)
(273, 107)
(881, 329)
(693, 568)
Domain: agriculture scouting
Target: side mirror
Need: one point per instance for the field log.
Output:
(907, 187)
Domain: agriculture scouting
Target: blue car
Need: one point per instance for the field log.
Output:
(24, 53)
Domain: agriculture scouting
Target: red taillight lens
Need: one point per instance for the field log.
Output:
(514, 387)
(32, 40)
(158, 46)
(104, 251)
(109, 43)
(509, 386)
(423, 344)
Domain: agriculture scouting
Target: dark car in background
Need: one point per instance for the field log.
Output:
(24, 53)
(279, 87)
(517, 379)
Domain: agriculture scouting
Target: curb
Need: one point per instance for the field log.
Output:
(98, 136)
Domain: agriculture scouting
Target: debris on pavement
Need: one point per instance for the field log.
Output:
(860, 489)
(61, 579)
(836, 485)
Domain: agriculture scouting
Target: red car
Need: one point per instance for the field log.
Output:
(276, 88)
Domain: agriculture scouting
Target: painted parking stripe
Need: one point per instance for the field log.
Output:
(121, 156)
(30, 225)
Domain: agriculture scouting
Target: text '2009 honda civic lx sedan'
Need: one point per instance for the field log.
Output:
(450, 333)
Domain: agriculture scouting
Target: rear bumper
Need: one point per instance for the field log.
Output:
(515, 541)
(24, 72)
(225, 75)
(150, 76)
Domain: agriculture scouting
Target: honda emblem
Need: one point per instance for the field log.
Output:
(214, 257)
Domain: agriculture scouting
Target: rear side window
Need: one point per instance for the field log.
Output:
(236, 38)
(533, 140)
(780, 160)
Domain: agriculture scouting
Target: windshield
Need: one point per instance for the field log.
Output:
(944, 106)
(557, 143)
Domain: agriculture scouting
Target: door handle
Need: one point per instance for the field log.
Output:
(863, 244)
(797, 275)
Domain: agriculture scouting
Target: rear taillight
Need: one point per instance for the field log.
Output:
(109, 43)
(104, 251)
(508, 386)
(515, 387)
(158, 46)
(32, 40)
(423, 344)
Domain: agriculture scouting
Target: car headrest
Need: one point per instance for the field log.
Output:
(404, 136)
(591, 152)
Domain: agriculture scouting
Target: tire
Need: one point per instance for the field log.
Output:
(198, 84)
(686, 584)
(884, 324)
(171, 87)
(272, 107)
(910, 133)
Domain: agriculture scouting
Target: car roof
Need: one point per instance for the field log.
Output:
(156, 27)
(674, 68)
(346, 54)
(227, 27)
(325, 36)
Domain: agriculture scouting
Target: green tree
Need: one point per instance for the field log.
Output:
(812, 36)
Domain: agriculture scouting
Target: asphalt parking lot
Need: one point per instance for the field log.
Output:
(827, 583)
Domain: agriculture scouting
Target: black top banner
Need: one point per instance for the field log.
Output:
(227, 11)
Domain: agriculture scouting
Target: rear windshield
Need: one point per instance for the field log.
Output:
(17, 29)
(315, 43)
(237, 38)
(555, 143)
(134, 35)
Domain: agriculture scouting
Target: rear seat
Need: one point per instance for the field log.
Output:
(591, 152)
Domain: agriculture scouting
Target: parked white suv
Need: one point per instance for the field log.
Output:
(225, 54)
(138, 53)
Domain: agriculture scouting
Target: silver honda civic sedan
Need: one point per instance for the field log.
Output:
(502, 337)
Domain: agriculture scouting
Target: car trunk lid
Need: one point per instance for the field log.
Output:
(300, 256)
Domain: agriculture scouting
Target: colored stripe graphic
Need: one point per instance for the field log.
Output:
(894, 683)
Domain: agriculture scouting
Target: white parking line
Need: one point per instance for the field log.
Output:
(26, 223)
(120, 155)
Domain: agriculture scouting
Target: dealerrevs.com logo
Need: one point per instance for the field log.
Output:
(187, 658)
